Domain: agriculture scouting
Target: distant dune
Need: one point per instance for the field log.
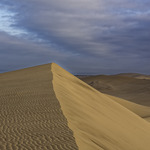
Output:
(125, 89)
(128, 88)
(135, 75)
(47, 108)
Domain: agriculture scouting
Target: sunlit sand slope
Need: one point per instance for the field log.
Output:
(30, 114)
(98, 122)
(142, 111)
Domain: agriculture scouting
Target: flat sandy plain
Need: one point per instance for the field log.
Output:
(47, 108)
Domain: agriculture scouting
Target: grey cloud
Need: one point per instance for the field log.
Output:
(113, 34)
(16, 53)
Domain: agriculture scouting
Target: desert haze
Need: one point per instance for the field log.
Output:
(47, 108)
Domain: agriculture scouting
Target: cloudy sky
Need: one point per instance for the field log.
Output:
(82, 36)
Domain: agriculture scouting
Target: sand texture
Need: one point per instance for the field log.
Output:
(142, 111)
(30, 114)
(47, 108)
(125, 87)
(98, 122)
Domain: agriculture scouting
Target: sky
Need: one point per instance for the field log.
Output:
(82, 36)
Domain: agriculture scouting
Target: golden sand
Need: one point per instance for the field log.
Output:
(30, 114)
(142, 111)
(47, 108)
(98, 122)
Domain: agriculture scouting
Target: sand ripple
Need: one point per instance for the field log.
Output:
(30, 114)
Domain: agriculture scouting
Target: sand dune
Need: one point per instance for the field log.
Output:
(47, 108)
(30, 114)
(97, 121)
(135, 75)
(128, 88)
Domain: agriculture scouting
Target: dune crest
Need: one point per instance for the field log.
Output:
(98, 123)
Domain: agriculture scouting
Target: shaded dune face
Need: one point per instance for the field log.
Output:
(30, 115)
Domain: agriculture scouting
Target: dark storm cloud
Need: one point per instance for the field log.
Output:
(85, 36)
